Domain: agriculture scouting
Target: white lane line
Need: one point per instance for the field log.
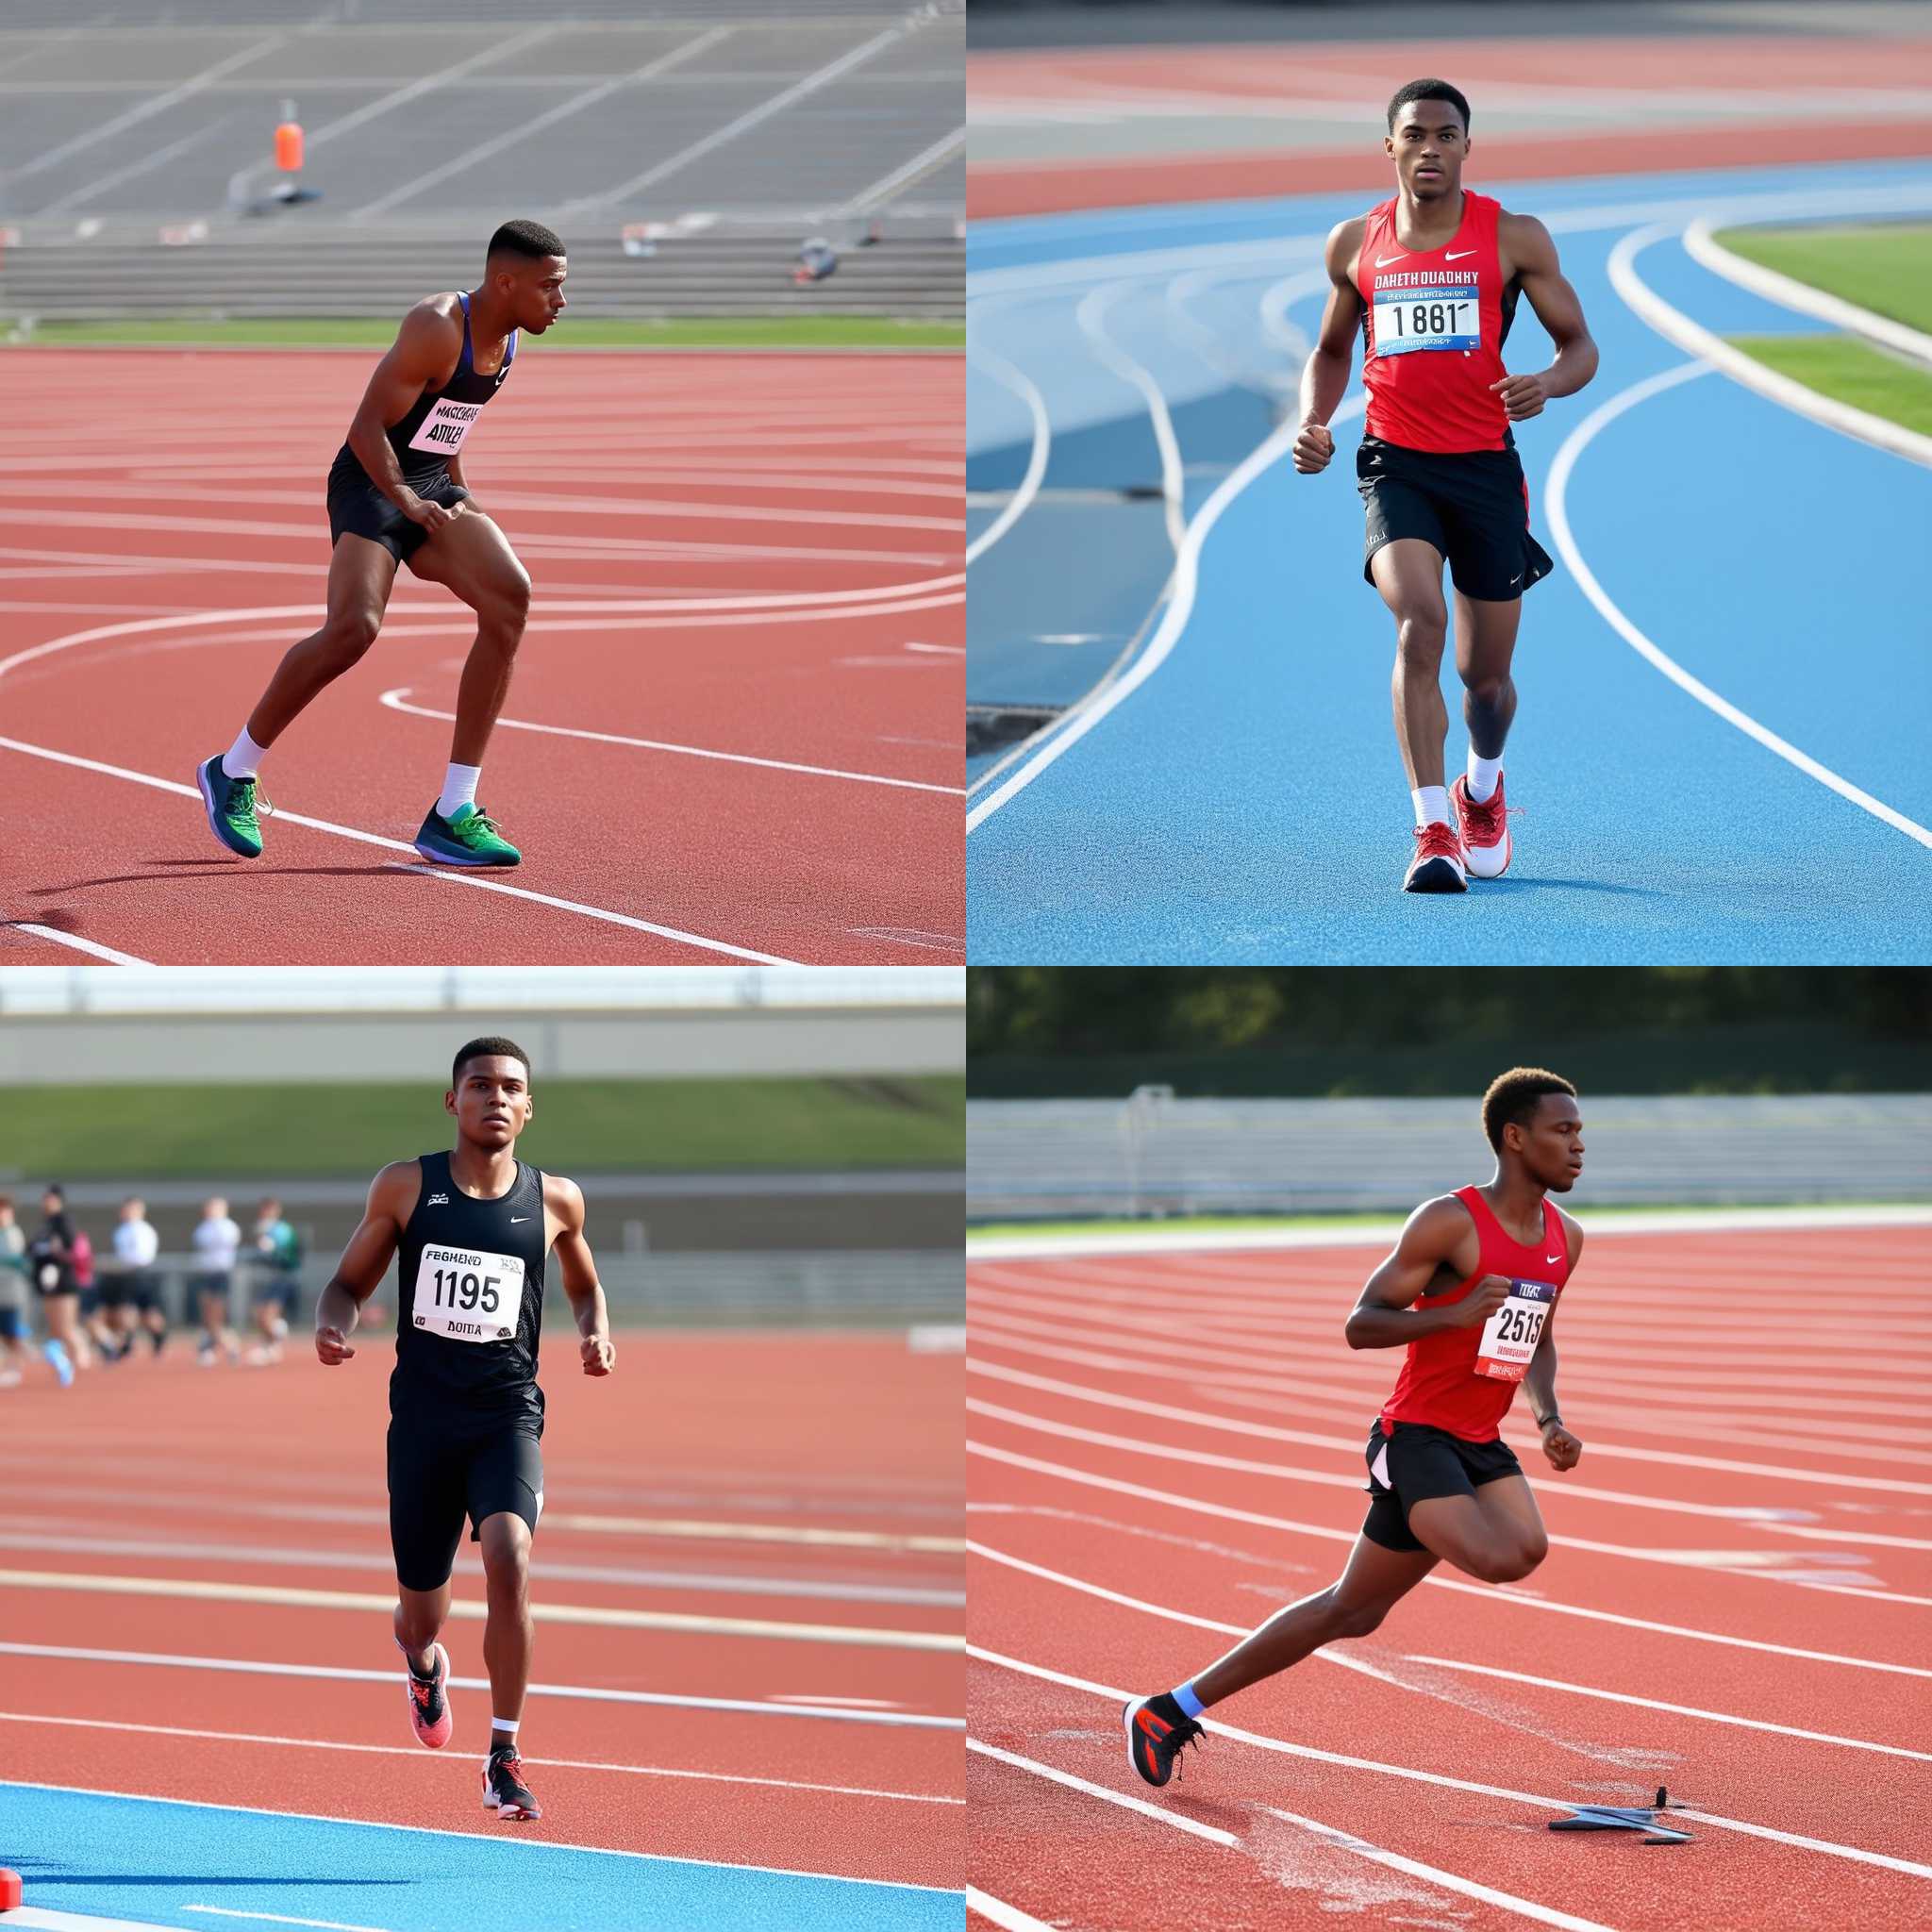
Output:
(1557, 513)
(145, 164)
(1715, 1717)
(1008, 1918)
(1414, 1775)
(1702, 245)
(395, 701)
(282, 1917)
(1746, 370)
(55, 937)
(97, 1583)
(1014, 382)
(1448, 1880)
(40, 1919)
(149, 1659)
(720, 1777)
(523, 129)
(1090, 317)
(811, 83)
(1223, 1512)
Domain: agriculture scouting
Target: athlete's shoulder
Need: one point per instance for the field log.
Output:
(1524, 240)
(397, 1182)
(563, 1197)
(1344, 243)
(432, 331)
(1572, 1229)
(1444, 1216)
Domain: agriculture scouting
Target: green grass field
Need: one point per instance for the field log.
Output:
(1886, 267)
(590, 1126)
(593, 332)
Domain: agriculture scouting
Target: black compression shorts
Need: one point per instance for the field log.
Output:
(1419, 1461)
(440, 1471)
(357, 509)
(1473, 507)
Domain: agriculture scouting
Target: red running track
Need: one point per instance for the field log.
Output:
(185, 1518)
(734, 727)
(1164, 1449)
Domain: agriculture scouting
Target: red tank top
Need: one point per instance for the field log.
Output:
(1433, 326)
(1440, 1381)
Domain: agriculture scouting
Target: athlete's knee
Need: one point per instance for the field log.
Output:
(1357, 1619)
(1488, 690)
(1505, 1562)
(1418, 638)
(348, 635)
(505, 610)
(505, 1563)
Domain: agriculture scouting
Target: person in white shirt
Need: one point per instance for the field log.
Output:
(130, 1290)
(216, 1241)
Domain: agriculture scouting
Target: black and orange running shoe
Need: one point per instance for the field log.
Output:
(431, 1716)
(1156, 1729)
(503, 1790)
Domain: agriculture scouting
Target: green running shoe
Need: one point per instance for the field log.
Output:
(469, 837)
(231, 806)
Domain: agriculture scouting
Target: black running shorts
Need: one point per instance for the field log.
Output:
(1419, 1461)
(440, 1471)
(357, 509)
(1473, 507)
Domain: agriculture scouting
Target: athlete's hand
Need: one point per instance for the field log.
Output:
(1314, 446)
(1561, 1447)
(1482, 1300)
(1523, 396)
(599, 1357)
(332, 1346)
(430, 516)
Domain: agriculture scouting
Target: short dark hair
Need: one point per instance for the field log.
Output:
(1427, 91)
(491, 1046)
(1514, 1096)
(531, 238)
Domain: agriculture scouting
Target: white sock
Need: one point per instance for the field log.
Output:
(459, 789)
(1431, 803)
(1483, 774)
(243, 760)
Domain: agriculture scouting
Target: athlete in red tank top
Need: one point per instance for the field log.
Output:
(1472, 1290)
(1429, 279)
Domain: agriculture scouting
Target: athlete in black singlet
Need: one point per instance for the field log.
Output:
(396, 496)
(472, 1228)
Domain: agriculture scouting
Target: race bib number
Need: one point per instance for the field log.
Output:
(466, 1296)
(442, 430)
(1441, 318)
(1511, 1334)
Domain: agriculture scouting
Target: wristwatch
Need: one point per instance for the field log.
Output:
(1542, 1421)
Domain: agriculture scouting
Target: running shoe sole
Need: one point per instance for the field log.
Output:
(512, 1810)
(1436, 875)
(438, 855)
(215, 821)
(433, 1736)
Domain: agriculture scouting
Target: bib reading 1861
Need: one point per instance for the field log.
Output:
(1511, 1334)
(1441, 317)
(467, 1294)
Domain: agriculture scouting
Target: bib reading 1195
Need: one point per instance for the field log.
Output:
(467, 1294)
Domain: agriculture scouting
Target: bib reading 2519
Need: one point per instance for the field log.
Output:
(1440, 317)
(1511, 1334)
(467, 1294)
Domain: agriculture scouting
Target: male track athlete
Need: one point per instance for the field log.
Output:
(472, 1227)
(396, 496)
(1431, 279)
(1471, 1291)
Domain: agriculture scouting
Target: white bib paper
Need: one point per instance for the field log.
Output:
(1439, 318)
(466, 1295)
(442, 430)
(1511, 1334)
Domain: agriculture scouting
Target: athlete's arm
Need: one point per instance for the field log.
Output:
(1324, 376)
(426, 350)
(365, 1260)
(1532, 258)
(564, 1202)
(1540, 1379)
(1382, 1318)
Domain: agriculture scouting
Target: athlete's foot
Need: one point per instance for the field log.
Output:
(1156, 1728)
(430, 1713)
(1437, 866)
(231, 806)
(59, 1362)
(503, 1790)
(468, 837)
(1485, 830)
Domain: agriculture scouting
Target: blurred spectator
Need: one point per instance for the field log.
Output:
(130, 1290)
(278, 1257)
(50, 1261)
(217, 1241)
(12, 1293)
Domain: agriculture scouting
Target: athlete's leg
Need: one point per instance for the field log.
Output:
(473, 558)
(420, 1615)
(1485, 643)
(1490, 1546)
(507, 1636)
(1508, 1505)
(1408, 574)
(1374, 1580)
(360, 575)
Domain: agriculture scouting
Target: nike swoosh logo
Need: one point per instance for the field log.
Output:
(1553, 1258)
(1383, 260)
(515, 1218)
(1458, 255)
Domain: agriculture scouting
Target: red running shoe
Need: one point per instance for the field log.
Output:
(504, 1790)
(1437, 866)
(429, 1712)
(1485, 830)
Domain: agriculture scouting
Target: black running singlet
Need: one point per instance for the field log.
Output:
(471, 1306)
